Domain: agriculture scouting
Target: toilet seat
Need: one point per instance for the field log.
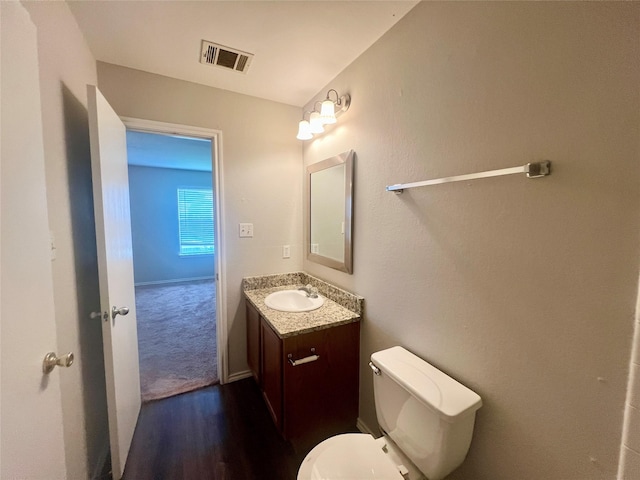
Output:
(350, 456)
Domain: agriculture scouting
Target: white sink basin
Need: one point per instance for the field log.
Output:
(293, 301)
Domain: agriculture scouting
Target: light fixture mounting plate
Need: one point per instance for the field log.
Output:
(344, 103)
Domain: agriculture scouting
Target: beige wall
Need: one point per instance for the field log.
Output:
(66, 66)
(262, 169)
(524, 290)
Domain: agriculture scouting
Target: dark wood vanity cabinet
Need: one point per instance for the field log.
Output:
(310, 401)
(270, 360)
(253, 342)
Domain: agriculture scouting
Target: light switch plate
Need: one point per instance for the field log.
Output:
(286, 251)
(246, 230)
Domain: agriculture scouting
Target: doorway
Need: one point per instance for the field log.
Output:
(174, 195)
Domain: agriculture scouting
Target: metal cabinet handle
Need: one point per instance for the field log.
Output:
(51, 360)
(119, 311)
(300, 361)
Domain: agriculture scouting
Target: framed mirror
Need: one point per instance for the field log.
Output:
(329, 229)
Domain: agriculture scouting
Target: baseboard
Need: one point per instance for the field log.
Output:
(177, 280)
(364, 428)
(234, 377)
(101, 469)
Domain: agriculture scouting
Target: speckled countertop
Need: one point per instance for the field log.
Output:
(340, 306)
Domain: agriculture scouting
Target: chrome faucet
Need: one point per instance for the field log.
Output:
(312, 292)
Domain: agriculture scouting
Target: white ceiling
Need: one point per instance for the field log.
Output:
(299, 46)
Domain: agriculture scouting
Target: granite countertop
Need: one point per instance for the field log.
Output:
(288, 324)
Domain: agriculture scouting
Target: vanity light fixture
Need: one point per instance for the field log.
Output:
(329, 111)
(315, 123)
(304, 130)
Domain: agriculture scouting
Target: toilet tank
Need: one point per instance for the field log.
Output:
(426, 413)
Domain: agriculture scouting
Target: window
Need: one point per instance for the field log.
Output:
(195, 221)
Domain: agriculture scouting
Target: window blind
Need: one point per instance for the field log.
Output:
(195, 221)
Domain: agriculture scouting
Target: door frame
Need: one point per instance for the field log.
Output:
(215, 136)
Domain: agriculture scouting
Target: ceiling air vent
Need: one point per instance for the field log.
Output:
(225, 57)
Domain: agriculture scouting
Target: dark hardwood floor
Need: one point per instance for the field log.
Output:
(222, 432)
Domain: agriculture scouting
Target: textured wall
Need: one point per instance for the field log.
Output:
(262, 171)
(524, 290)
(154, 225)
(66, 66)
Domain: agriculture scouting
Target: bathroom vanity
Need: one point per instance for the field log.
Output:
(305, 363)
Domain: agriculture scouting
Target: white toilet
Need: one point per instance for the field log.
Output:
(427, 419)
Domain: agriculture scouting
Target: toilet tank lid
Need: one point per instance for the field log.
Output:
(434, 388)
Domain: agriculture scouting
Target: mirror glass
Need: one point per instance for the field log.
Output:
(329, 230)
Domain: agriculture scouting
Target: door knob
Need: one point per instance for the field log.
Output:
(51, 360)
(119, 311)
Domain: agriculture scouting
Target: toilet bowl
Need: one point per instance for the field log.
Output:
(357, 456)
(427, 422)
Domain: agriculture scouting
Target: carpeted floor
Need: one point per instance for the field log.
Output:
(176, 337)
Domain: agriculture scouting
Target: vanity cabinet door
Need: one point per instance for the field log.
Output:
(253, 342)
(321, 396)
(312, 400)
(272, 372)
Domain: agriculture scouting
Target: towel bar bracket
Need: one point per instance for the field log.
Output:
(538, 169)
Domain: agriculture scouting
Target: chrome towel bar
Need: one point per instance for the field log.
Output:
(533, 170)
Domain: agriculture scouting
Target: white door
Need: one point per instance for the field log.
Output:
(31, 436)
(115, 268)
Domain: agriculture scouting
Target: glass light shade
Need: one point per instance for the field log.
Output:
(316, 123)
(304, 131)
(327, 112)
